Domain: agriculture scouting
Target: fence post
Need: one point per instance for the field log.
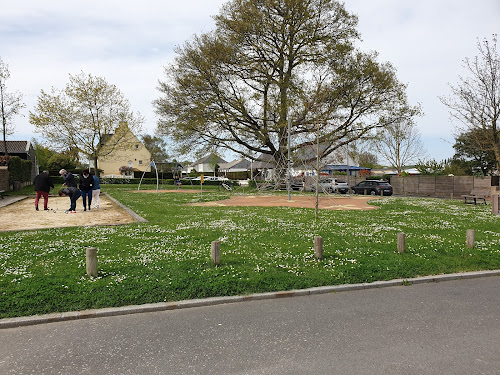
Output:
(318, 247)
(401, 242)
(215, 252)
(91, 261)
(470, 238)
(495, 205)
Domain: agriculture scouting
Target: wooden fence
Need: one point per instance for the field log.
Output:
(430, 186)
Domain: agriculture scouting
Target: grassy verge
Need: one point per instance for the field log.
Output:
(262, 249)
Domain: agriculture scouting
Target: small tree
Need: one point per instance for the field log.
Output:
(400, 144)
(430, 167)
(10, 104)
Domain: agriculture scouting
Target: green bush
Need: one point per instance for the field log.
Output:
(19, 170)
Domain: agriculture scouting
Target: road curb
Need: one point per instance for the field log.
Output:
(212, 301)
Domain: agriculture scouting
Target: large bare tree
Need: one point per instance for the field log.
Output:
(10, 104)
(269, 61)
(475, 100)
(84, 115)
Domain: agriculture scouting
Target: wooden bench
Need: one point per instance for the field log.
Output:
(476, 195)
(1, 193)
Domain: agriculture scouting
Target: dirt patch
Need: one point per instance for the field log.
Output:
(190, 191)
(328, 202)
(325, 203)
(22, 215)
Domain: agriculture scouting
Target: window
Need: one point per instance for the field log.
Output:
(140, 162)
(136, 147)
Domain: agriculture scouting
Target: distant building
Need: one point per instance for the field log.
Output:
(23, 149)
(350, 170)
(241, 165)
(207, 164)
(123, 157)
(392, 171)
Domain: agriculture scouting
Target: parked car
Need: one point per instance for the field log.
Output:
(212, 178)
(372, 187)
(331, 185)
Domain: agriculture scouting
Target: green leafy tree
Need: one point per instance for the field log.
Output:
(10, 104)
(367, 159)
(42, 153)
(473, 148)
(430, 167)
(475, 100)
(61, 161)
(84, 115)
(156, 146)
(271, 61)
(457, 167)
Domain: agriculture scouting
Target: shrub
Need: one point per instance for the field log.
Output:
(19, 170)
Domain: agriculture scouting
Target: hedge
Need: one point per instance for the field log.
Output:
(19, 170)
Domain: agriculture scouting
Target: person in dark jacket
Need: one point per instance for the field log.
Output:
(73, 193)
(86, 185)
(68, 177)
(43, 183)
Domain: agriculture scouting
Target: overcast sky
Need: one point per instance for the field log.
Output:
(129, 43)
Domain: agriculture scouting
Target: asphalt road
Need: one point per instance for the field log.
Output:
(449, 327)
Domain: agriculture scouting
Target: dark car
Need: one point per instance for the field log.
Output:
(372, 187)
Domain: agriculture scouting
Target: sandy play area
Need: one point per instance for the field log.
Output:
(22, 214)
(328, 202)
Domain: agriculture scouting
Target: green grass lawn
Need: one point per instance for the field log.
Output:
(262, 249)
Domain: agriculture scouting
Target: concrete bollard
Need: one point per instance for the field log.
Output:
(215, 251)
(91, 257)
(318, 247)
(401, 242)
(471, 233)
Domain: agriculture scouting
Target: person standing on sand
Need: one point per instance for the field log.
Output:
(43, 183)
(96, 190)
(86, 185)
(68, 177)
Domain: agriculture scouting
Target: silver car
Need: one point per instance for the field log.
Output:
(331, 185)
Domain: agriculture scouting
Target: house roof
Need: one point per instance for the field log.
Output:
(235, 164)
(344, 168)
(208, 159)
(16, 147)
